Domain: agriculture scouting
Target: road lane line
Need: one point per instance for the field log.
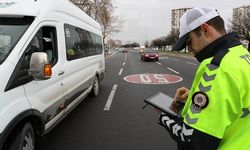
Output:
(158, 63)
(126, 56)
(123, 63)
(110, 98)
(173, 70)
(191, 63)
(120, 73)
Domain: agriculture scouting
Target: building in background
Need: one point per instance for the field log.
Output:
(175, 20)
(116, 43)
(240, 12)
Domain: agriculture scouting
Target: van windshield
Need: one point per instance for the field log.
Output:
(11, 30)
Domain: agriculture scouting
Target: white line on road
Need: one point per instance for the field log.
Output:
(123, 63)
(126, 56)
(158, 63)
(110, 98)
(173, 70)
(191, 63)
(120, 73)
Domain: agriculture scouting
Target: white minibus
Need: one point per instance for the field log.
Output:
(51, 58)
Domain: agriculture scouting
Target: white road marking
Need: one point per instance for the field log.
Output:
(123, 63)
(160, 78)
(120, 73)
(145, 78)
(191, 63)
(126, 56)
(173, 70)
(110, 98)
(158, 63)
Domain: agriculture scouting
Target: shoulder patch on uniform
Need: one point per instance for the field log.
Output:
(200, 100)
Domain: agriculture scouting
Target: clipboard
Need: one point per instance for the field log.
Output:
(162, 102)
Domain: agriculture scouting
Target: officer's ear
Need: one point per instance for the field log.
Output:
(205, 29)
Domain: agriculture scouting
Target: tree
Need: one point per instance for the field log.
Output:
(170, 39)
(131, 45)
(103, 12)
(146, 44)
(241, 25)
(86, 5)
(159, 42)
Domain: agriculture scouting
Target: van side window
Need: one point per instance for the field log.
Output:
(49, 44)
(43, 41)
(81, 43)
(72, 44)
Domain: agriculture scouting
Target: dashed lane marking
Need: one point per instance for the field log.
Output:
(120, 72)
(158, 63)
(173, 70)
(191, 63)
(110, 98)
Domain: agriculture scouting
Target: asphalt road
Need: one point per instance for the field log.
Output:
(92, 125)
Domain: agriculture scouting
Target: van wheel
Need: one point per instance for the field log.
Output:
(24, 139)
(95, 87)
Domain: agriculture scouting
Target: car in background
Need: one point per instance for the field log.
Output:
(149, 54)
(124, 50)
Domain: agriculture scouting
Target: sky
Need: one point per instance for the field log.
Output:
(151, 19)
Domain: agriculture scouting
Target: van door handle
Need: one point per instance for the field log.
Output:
(61, 73)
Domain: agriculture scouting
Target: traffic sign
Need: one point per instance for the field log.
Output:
(152, 78)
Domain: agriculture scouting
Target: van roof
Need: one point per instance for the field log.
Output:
(21, 8)
(15, 8)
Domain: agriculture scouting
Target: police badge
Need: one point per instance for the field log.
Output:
(200, 100)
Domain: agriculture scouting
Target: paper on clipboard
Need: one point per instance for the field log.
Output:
(162, 102)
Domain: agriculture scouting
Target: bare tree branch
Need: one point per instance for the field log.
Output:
(103, 12)
(241, 25)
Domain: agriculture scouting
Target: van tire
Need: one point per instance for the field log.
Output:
(95, 87)
(24, 138)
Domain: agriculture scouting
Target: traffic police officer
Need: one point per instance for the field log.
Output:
(216, 112)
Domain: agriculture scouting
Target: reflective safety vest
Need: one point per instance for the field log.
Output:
(219, 100)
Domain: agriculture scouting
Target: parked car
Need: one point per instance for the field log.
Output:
(149, 54)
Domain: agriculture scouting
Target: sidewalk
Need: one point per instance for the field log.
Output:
(177, 54)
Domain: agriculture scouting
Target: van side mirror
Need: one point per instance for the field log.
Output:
(40, 69)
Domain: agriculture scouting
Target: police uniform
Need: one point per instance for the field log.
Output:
(216, 113)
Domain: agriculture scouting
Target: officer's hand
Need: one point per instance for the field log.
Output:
(181, 93)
